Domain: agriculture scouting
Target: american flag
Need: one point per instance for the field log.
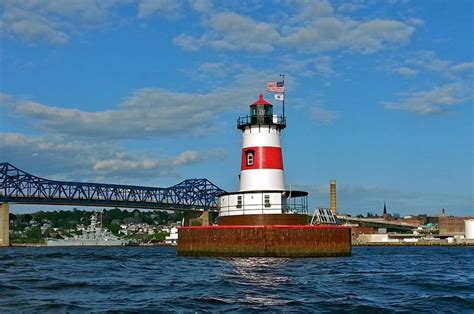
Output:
(276, 87)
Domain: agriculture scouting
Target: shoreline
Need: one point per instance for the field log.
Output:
(32, 245)
(24, 245)
(414, 244)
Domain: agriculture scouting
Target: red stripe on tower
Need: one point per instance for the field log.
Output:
(261, 158)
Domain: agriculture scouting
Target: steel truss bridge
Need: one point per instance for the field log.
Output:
(18, 186)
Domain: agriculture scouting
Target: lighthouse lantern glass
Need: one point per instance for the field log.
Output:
(261, 114)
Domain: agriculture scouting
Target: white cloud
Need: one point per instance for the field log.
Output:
(52, 21)
(404, 71)
(427, 60)
(148, 112)
(349, 7)
(463, 67)
(56, 156)
(373, 35)
(189, 157)
(437, 100)
(453, 84)
(315, 27)
(234, 31)
(186, 42)
(203, 6)
(148, 8)
(31, 26)
(310, 9)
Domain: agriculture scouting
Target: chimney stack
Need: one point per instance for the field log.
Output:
(332, 196)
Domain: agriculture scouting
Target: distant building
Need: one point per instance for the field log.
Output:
(173, 237)
(452, 225)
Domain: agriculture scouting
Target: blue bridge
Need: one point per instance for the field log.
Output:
(18, 186)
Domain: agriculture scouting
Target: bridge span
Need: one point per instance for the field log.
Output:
(20, 187)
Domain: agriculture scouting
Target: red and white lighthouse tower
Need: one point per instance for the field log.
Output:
(262, 180)
(262, 161)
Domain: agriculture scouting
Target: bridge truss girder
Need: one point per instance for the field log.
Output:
(18, 186)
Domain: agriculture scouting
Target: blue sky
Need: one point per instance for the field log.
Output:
(379, 94)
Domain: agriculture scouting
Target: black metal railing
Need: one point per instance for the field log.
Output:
(279, 121)
(260, 208)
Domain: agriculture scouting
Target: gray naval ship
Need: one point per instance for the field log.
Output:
(94, 235)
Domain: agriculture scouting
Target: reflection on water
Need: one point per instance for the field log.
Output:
(262, 271)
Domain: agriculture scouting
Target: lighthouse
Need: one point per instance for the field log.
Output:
(264, 217)
(262, 180)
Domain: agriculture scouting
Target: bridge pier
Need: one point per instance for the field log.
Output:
(5, 225)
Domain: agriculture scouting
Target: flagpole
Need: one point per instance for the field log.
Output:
(283, 76)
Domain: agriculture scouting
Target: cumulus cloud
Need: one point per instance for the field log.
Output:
(32, 27)
(315, 27)
(231, 31)
(454, 85)
(204, 6)
(148, 112)
(436, 100)
(93, 160)
(427, 60)
(51, 21)
(311, 25)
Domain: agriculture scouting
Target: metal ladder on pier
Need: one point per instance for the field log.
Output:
(323, 216)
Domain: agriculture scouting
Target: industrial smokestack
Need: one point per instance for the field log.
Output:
(332, 196)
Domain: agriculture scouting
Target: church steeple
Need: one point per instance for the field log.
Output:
(384, 208)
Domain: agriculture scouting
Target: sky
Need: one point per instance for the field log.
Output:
(378, 94)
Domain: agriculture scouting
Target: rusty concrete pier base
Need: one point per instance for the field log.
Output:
(265, 240)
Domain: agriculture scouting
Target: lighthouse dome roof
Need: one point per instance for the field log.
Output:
(261, 101)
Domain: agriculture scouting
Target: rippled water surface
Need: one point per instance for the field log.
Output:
(427, 279)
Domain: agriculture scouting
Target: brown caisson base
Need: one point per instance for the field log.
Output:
(263, 219)
(265, 240)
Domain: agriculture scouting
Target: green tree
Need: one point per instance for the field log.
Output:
(114, 228)
(34, 233)
(160, 236)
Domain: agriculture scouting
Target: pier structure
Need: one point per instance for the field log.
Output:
(4, 224)
(263, 218)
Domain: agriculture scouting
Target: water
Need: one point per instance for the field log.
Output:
(381, 279)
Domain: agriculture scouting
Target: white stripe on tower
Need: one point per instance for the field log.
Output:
(266, 170)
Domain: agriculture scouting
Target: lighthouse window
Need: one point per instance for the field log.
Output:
(267, 200)
(239, 201)
(249, 158)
